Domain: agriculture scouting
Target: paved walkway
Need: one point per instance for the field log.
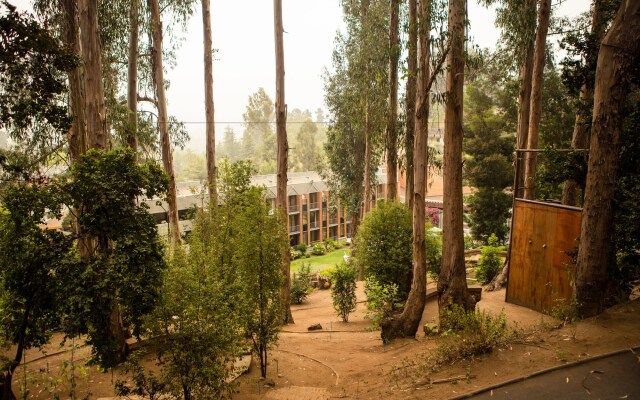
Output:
(611, 376)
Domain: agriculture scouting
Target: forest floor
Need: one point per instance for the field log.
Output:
(348, 360)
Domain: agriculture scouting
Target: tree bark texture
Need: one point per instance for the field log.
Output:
(209, 104)
(412, 69)
(283, 149)
(392, 122)
(77, 136)
(367, 161)
(407, 323)
(132, 77)
(452, 282)
(524, 99)
(618, 52)
(582, 128)
(163, 122)
(544, 14)
(98, 136)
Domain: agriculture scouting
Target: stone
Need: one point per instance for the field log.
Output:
(431, 329)
(269, 383)
(316, 327)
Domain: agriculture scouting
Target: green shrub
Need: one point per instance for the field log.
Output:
(302, 248)
(382, 301)
(327, 272)
(318, 249)
(469, 334)
(301, 284)
(295, 254)
(490, 262)
(343, 290)
(384, 246)
(307, 255)
(433, 242)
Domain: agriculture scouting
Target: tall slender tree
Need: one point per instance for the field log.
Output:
(132, 76)
(524, 94)
(582, 128)
(96, 114)
(535, 113)
(283, 148)
(208, 101)
(392, 131)
(406, 324)
(618, 53)
(163, 121)
(368, 142)
(412, 69)
(452, 283)
(77, 135)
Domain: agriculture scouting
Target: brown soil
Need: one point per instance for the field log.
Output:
(347, 360)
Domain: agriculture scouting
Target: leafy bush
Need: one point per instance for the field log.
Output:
(490, 262)
(433, 242)
(384, 246)
(328, 271)
(382, 301)
(302, 248)
(295, 254)
(343, 290)
(301, 284)
(318, 249)
(469, 334)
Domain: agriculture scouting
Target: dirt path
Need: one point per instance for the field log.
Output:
(347, 360)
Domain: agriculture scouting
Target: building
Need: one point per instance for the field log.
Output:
(311, 216)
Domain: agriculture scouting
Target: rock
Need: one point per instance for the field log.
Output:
(269, 383)
(431, 329)
(316, 327)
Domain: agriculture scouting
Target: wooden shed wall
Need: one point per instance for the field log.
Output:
(542, 236)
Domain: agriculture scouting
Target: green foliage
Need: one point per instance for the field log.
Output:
(301, 284)
(488, 145)
(469, 334)
(318, 249)
(257, 241)
(343, 290)
(122, 258)
(302, 247)
(433, 252)
(384, 246)
(33, 68)
(382, 301)
(358, 85)
(490, 263)
(36, 267)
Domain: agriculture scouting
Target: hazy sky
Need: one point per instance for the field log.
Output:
(243, 35)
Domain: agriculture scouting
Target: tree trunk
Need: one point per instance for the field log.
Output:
(407, 323)
(452, 283)
(209, 105)
(524, 98)
(544, 13)
(77, 137)
(412, 67)
(163, 121)
(618, 52)
(7, 391)
(581, 129)
(132, 77)
(283, 148)
(367, 161)
(98, 137)
(392, 122)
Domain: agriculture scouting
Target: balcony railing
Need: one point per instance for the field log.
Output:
(293, 208)
(294, 229)
(333, 221)
(314, 206)
(315, 225)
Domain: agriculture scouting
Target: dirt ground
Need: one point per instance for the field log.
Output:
(347, 360)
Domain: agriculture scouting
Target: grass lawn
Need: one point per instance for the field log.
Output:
(318, 263)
